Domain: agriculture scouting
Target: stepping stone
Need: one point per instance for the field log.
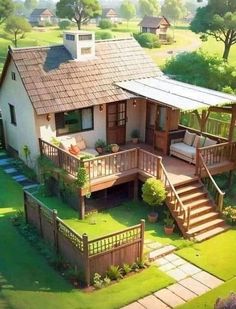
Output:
(179, 262)
(169, 298)
(154, 245)
(19, 178)
(167, 267)
(161, 261)
(5, 162)
(151, 302)
(208, 279)
(172, 257)
(181, 291)
(189, 269)
(31, 186)
(148, 241)
(177, 274)
(10, 170)
(160, 252)
(134, 305)
(194, 286)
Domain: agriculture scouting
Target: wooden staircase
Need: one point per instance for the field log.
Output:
(200, 220)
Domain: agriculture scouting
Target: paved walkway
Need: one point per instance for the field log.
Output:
(7, 163)
(191, 282)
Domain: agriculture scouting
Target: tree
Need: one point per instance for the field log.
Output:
(79, 10)
(173, 10)
(217, 19)
(127, 10)
(153, 192)
(6, 9)
(17, 26)
(149, 7)
(30, 4)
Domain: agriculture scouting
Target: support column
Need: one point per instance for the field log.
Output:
(135, 189)
(232, 124)
(81, 205)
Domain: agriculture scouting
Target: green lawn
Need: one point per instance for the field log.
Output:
(216, 255)
(208, 300)
(114, 219)
(26, 280)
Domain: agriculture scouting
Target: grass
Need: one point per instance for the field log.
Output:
(27, 281)
(207, 301)
(216, 255)
(114, 219)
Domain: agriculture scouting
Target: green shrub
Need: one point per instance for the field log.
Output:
(105, 24)
(103, 35)
(126, 269)
(148, 40)
(154, 192)
(230, 214)
(114, 272)
(97, 281)
(64, 24)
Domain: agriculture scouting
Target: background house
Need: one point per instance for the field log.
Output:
(111, 14)
(156, 25)
(41, 17)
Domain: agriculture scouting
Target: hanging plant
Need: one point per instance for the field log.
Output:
(26, 152)
(82, 180)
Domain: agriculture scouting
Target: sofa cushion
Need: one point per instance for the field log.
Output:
(196, 142)
(189, 138)
(81, 144)
(209, 142)
(74, 149)
(183, 149)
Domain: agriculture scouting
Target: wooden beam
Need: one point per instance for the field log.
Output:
(232, 124)
(218, 109)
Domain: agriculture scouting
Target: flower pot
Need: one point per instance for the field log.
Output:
(169, 229)
(152, 217)
(135, 140)
(115, 148)
(100, 150)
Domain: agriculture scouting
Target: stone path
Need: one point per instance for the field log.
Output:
(191, 282)
(155, 249)
(7, 163)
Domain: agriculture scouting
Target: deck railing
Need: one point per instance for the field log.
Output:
(216, 194)
(149, 163)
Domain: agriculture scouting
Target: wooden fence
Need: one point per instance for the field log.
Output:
(90, 256)
(2, 140)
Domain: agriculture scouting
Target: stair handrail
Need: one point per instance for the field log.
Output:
(177, 203)
(220, 194)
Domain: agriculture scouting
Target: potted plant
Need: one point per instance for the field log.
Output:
(100, 146)
(154, 194)
(114, 147)
(135, 136)
(169, 224)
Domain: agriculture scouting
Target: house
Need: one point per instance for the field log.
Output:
(84, 90)
(42, 17)
(111, 14)
(156, 25)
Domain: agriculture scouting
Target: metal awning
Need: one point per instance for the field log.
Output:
(176, 94)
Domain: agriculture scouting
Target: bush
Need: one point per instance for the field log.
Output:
(230, 214)
(228, 303)
(64, 24)
(154, 192)
(114, 272)
(105, 24)
(169, 39)
(103, 35)
(148, 40)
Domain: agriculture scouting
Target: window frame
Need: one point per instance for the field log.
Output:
(80, 110)
(13, 75)
(12, 114)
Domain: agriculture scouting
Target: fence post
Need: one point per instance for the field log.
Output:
(86, 259)
(197, 162)
(159, 170)
(40, 220)
(142, 237)
(25, 207)
(55, 228)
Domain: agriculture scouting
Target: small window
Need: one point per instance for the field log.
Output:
(13, 75)
(12, 114)
(70, 37)
(85, 50)
(74, 121)
(85, 37)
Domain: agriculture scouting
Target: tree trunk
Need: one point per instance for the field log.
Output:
(78, 22)
(226, 51)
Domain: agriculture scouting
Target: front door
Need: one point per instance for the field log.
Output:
(150, 122)
(116, 123)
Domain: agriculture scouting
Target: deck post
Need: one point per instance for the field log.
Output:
(135, 197)
(25, 207)
(232, 124)
(81, 205)
(86, 259)
(55, 228)
(142, 237)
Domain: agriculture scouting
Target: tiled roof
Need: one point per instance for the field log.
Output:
(39, 12)
(152, 22)
(55, 82)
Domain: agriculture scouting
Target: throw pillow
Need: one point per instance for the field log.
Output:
(196, 142)
(74, 149)
(189, 138)
(209, 142)
(81, 144)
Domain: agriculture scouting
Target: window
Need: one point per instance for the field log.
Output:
(74, 121)
(13, 75)
(12, 114)
(70, 37)
(85, 37)
(85, 50)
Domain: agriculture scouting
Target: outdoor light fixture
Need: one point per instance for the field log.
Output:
(48, 117)
(101, 107)
(134, 103)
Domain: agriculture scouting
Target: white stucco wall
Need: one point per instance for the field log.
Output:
(136, 118)
(24, 132)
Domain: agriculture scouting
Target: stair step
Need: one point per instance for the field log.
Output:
(203, 218)
(211, 233)
(153, 255)
(197, 203)
(187, 182)
(189, 189)
(195, 212)
(205, 226)
(193, 196)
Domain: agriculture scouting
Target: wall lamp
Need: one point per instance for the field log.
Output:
(48, 117)
(134, 103)
(101, 107)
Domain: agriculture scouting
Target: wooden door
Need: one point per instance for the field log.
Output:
(150, 122)
(116, 123)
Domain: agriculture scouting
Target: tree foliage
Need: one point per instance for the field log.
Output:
(17, 26)
(148, 40)
(80, 11)
(217, 19)
(30, 4)
(105, 23)
(173, 10)
(153, 192)
(127, 10)
(204, 70)
(6, 9)
(149, 7)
